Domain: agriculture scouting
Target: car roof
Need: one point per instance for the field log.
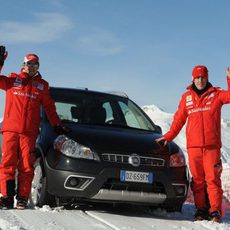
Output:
(86, 90)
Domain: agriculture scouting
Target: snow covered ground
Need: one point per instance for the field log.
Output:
(121, 217)
(125, 217)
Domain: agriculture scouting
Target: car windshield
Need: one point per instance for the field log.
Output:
(86, 107)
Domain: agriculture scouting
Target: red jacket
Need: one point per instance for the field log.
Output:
(204, 117)
(24, 96)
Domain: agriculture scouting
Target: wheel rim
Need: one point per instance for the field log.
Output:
(36, 185)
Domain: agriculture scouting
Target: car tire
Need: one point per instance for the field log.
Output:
(39, 195)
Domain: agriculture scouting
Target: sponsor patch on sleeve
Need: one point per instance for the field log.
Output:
(38, 85)
(18, 82)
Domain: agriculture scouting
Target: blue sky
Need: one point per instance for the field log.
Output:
(146, 48)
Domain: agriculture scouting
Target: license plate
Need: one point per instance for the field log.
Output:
(142, 177)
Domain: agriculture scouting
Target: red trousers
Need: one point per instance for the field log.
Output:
(17, 153)
(206, 167)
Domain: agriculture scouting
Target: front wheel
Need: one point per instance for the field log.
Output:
(39, 195)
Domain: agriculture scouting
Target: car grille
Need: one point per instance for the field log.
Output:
(124, 159)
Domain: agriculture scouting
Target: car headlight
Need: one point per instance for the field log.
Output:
(71, 148)
(177, 159)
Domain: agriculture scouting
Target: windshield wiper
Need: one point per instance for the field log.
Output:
(68, 121)
(127, 127)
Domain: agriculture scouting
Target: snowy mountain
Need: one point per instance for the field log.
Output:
(164, 120)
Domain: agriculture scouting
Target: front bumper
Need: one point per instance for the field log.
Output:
(97, 181)
(130, 196)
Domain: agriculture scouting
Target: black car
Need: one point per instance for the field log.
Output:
(108, 156)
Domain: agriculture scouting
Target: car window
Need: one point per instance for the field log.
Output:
(92, 108)
(109, 111)
(129, 115)
(67, 111)
(133, 116)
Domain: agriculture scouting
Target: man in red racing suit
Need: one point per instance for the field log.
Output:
(25, 93)
(201, 106)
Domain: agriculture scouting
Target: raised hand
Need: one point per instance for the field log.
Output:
(3, 56)
(228, 71)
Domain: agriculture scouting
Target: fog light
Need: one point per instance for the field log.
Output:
(77, 182)
(73, 181)
(180, 189)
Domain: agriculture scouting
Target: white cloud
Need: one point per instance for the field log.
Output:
(100, 42)
(45, 27)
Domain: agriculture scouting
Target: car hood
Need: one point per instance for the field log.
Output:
(112, 139)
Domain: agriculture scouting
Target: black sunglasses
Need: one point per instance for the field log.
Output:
(32, 64)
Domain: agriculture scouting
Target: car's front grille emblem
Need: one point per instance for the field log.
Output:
(133, 159)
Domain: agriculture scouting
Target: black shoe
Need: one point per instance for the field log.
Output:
(215, 216)
(202, 214)
(21, 203)
(6, 202)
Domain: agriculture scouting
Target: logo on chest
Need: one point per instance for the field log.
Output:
(189, 101)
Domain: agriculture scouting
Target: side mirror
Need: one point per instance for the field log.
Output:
(158, 128)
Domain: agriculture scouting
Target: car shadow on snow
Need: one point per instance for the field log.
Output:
(136, 210)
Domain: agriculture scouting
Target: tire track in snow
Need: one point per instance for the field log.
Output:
(10, 221)
(48, 219)
(61, 219)
(116, 218)
(96, 217)
(135, 218)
